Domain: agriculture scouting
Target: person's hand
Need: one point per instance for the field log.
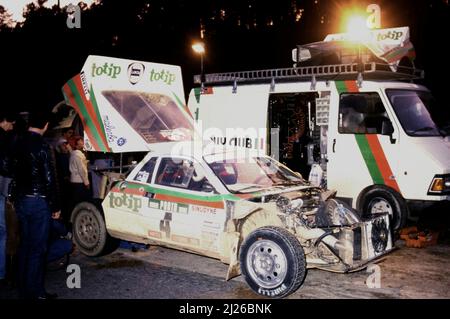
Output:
(56, 215)
(87, 185)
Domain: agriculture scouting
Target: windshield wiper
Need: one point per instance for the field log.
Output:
(423, 129)
(286, 183)
(248, 187)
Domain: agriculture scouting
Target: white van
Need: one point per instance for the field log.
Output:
(353, 125)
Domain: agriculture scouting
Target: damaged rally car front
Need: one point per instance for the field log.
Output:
(290, 226)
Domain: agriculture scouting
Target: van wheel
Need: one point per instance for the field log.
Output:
(272, 262)
(382, 199)
(89, 231)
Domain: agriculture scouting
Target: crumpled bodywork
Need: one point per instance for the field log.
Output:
(332, 234)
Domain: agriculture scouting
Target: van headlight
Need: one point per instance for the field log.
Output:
(440, 185)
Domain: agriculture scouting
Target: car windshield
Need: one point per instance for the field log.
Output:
(254, 173)
(418, 112)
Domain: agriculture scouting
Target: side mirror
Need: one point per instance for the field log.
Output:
(388, 129)
(123, 185)
(207, 187)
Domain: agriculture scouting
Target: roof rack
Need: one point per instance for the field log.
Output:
(334, 72)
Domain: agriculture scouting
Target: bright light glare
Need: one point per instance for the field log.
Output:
(198, 47)
(357, 28)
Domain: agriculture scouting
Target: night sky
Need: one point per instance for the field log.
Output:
(41, 53)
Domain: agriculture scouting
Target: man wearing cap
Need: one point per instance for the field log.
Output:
(7, 122)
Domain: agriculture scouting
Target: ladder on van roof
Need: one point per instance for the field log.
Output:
(334, 72)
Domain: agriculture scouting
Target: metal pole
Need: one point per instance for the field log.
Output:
(202, 75)
(201, 63)
(121, 162)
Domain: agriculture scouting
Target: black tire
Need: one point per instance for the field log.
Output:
(381, 198)
(282, 256)
(89, 231)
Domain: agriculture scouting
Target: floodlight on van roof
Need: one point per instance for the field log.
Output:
(301, 54)
(357, 29)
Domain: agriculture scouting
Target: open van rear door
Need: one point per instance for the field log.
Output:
(129, 106)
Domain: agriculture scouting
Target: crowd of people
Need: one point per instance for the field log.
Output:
(40, 183)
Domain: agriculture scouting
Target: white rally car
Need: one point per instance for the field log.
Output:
(252, 213)
(245, 209)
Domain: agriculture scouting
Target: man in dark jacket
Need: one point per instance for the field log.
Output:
(37, 201)
(6, 124)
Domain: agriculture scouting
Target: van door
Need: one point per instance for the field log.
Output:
(290, 115)
(362, 148)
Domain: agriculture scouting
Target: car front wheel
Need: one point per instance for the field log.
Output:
(272, 262)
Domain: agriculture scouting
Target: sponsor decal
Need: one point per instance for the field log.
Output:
(215, 201)
(391, 34)
(85, 85)
(142, 176)
(110, 70)
(247, 142)
(154, 234)
(129, 202)
(121, 141)
(163, 75)
(109, 130)
(203, 209)
(210, 225)
(272, 292)
(168, 206)
(164, 224)
(135, 72)
(87, 145)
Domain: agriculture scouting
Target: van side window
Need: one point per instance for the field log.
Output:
(361, 113)
(146, 172)
(180, 173)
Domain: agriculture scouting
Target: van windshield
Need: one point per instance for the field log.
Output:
(419, 113)
(254, 173)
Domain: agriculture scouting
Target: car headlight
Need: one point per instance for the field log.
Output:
(340, 215)
(440, 185)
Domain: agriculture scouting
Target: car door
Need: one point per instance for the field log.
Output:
(126, 205)
(186, 210)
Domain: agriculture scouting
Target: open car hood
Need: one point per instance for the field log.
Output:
(128, 105)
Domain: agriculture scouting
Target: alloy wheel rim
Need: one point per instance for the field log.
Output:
(267, 263)
(88, 229)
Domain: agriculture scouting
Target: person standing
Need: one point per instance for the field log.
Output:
(6, 124)
(62, 155)
(37, 201)
(67, 134)
(79, 178)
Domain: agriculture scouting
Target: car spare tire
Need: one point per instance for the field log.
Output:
(272, 261)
